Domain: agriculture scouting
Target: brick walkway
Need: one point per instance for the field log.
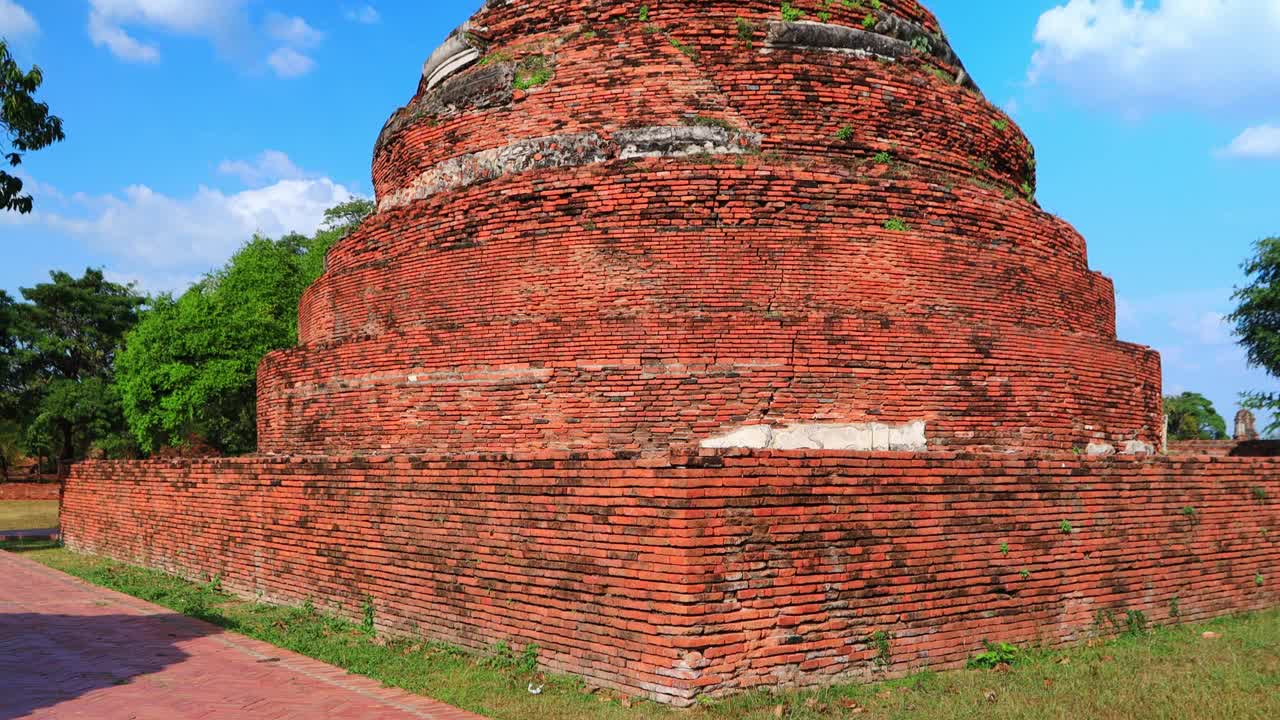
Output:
(72, 650)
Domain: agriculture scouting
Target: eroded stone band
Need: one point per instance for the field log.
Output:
(572, 150)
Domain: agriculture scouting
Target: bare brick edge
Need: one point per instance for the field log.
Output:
(710, 572)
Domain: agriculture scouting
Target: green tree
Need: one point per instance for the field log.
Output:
(1193, 417)
(1257, 320)
(189, 370)
(10, 446)
(25, 124)
(67, 334)
(8, 357)
(339, 220)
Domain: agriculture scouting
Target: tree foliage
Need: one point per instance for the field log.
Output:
(189, 369)
(60, 351)
(1257, 319)
(8, 356)
(1193, 417)
(25, 124)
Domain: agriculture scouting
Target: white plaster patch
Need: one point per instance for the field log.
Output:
(858, 437)
(1137, 447)
(1097, 449)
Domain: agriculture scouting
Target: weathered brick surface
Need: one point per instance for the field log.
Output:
(28, 491)
(707, 573)
(686, 230)
(587, 299)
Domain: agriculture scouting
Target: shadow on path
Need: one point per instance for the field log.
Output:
(47, 659)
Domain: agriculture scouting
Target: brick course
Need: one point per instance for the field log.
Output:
(708, 572)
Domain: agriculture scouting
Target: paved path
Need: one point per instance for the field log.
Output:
(73, 650)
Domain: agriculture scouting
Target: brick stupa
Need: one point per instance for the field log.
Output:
(706, 351)
(706, 226)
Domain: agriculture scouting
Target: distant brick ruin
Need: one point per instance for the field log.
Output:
(708, 350)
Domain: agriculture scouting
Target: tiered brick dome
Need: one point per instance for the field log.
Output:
(603, 230)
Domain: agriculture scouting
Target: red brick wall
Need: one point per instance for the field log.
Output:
(28, 491)
(713, 572)
(637, 303)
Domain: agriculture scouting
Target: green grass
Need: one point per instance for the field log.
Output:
(1166, 673)
(28, 514)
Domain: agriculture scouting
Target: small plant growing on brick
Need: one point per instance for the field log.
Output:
(995, 655)
(367, 615)
(896, 225)
(1065, 527)
(496, 58)
(921, 44)
(882, 642)
(644, 13)
(1175, 607)
(1025, 574)
(1190, 514)
(1259, 580)
(746, 31)
(790, 13)
(845, 133)
(883, 158)
(1259, 493)
(532, 72)
(528, 662)
(686, 49)
(704, 121)
(869, 21)
(1004, 548)
(1135, 622)
(1000, 125)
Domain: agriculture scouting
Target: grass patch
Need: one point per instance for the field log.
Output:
(28, 514)
(1168, 673)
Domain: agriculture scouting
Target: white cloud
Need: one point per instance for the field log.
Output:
(155, 231)
(1138, 57)
(289, 63)
(293, 31)
(120, 43)
(163, 241)
(1207, 327)
(205, 18)
(271, 166)
(1262, 141)
(365, 14)
(15, 20)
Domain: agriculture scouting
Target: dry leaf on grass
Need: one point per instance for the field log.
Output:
(1211, 635)
(990, 695)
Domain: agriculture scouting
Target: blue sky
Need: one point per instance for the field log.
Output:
(192, 124)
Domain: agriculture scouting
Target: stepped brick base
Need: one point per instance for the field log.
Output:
(710, 572)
